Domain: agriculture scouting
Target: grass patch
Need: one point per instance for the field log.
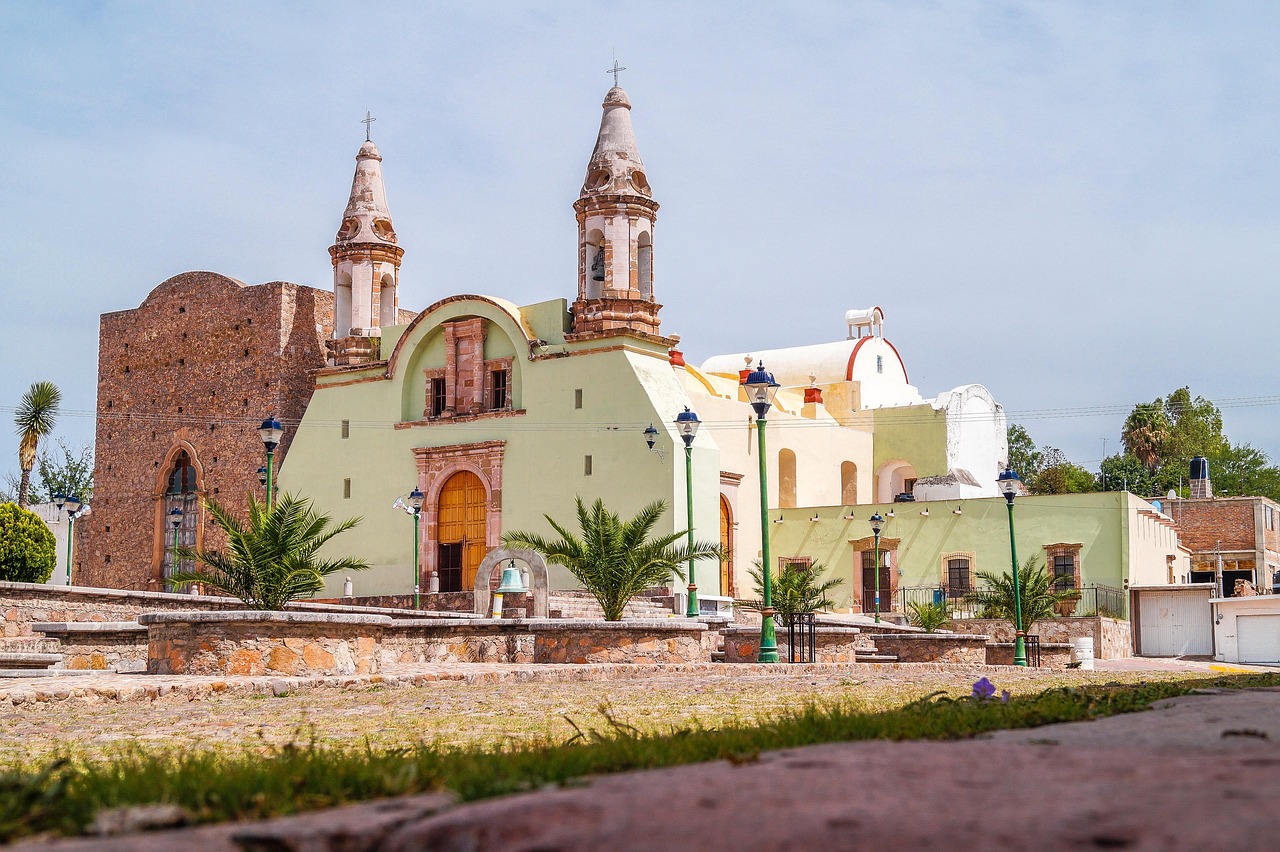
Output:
(261, 780)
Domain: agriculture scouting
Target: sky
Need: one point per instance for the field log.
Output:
(1074, 204)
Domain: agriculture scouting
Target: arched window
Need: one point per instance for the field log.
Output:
(594, 262)
(180, 493)
(342, 305)
(387, 304)
(849, 483)
(644, 266)
(786, 479)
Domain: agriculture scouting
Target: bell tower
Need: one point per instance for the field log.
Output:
(366, 264)
(616, 213)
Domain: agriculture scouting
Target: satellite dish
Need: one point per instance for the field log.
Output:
(1172, 495)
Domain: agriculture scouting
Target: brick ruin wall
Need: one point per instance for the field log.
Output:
(202, 361)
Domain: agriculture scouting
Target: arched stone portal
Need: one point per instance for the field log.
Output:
(537, 579)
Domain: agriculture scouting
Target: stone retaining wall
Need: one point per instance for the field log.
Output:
(23, 604)
(545, 641)
(1053, 655)
(832, 644)
(255, 643)
(1112, 637)
(933, 647)
(98, 646)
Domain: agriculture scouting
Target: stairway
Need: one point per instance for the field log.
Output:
(29, 656)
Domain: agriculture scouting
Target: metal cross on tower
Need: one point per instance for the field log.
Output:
(367, 121)
(614, 71)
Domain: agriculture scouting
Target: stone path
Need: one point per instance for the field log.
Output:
(1195, 772)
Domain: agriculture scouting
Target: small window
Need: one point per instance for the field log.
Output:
(1064, 571)
(346, 428)
(498, 385)
(438, 399)
(879, 363)
(577, 398)
(346, 489)
(958, 577)
(586, 465)
(182, 310)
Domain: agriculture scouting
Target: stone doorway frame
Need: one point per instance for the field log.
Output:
(538, 580)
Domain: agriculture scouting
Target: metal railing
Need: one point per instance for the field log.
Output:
(1094, 599)
(802, 638)
(1032, 645)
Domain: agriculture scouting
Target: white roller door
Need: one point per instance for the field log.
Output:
(1258, 638)
(1175, 624)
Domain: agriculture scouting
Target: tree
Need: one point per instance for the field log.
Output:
(27, 547)
(72, 474)
(1040, 600)
(1244, 471)
(1146, 433)
(35, 418)
(270, 559)
(1124, 472)
(797, 588)
(1060, 476)
(613, 559)
(1024, 458)
(929, 616)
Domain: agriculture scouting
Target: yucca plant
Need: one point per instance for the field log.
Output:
(797, 588)
(1040, 600)
(614, 559)
(35, 418)
(271, 556)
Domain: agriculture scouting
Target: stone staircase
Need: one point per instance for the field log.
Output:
(28, 656)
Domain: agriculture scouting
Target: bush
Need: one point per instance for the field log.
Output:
(929, 616)
(27, 547)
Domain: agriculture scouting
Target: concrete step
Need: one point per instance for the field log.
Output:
(717, 656)
(28, 660)
(23, 673)
(877, 658)
(29, 644)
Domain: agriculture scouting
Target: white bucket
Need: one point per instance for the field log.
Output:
(1082, 652)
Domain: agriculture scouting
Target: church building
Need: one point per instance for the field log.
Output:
(497, 412)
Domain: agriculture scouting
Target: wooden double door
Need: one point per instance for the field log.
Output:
(460, 537)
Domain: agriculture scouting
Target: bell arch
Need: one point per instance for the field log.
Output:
(538, 579)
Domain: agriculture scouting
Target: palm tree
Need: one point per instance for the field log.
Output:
(35, 418)
(798, 588)
(1040, 598)
(1146, 433)
(271, 559)
(613, 559)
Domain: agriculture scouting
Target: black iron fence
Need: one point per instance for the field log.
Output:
(802, 638)
(1094, 599)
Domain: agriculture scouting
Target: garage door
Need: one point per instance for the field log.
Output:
(1258, 638)
(1175, 624)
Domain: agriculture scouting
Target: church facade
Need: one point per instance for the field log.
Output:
(498, 413)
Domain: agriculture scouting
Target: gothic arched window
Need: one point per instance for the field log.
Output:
(180, 493)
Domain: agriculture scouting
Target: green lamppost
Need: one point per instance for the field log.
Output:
(175, 518)
(75, 508)
(877, 524)
(687, 424)
(271, 432)
(415, 506)
(1008, 482)
(761, 389)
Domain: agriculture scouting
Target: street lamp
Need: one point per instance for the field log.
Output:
(271, 432)
(175, 518)
(415, 506)
(761, 389)
(262, 476)
(687, 424)
(877, 524)
(1008, 482)
(74, 510)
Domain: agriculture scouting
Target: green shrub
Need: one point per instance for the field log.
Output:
(27, 547)
(929, 616)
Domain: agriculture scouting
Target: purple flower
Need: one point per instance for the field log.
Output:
(1004, 696)
(983, 688)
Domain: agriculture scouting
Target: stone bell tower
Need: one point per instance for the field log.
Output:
(366, 265)
(616, 213)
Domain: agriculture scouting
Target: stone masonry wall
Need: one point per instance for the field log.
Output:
(1112, 638)
(538, 641)
(255, 648)
(933, 647)
(1053, 655)
(202, 360)
(832, 645)
(121, 650)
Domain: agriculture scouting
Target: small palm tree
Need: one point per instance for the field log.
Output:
(271, 559)
(613, 559)
(929, 616)
(797, 588)
(35, 418)
(1040, 599)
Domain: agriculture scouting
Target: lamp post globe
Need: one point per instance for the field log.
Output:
(687, 424)
(262, 476)
(270, 432)
(761, 388)
(175, 519)
(1009, 483)
(877, 524)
